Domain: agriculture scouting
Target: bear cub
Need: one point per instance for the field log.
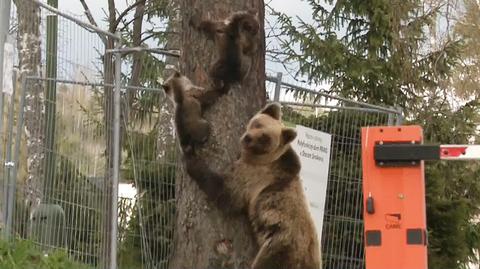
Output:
(264, 184)
(237, 41)
(192, 128)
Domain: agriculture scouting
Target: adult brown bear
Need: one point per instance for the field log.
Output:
(264, 184)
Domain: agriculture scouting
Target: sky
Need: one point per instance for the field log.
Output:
(98, 7)
(291, 7)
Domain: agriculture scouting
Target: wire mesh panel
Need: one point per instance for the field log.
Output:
(56, 137)
(68, 210)
(342, 235)
(149, 166)
(62, 146)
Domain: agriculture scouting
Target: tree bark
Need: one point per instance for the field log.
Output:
(204, 236)
(29, 53)
(137, 56)
(165, 136)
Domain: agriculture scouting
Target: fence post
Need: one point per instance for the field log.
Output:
(11, 163)
(391, 117)
(399, 118)
(278, 87)
(10, 198)
(50, 102)
(116, 155)
(5, 6)
(4, 25)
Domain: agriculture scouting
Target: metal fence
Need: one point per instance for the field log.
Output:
(342, 235)
(71, 212)
(89, 157)
(90, 166)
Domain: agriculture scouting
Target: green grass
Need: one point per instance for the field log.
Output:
(23, 254)
(289, 124)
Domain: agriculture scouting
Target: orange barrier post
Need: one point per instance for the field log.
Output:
(394, 197)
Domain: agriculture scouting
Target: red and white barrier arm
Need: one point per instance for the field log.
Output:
(460, 152)
(387, 154)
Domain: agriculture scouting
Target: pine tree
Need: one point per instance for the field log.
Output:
(372, 50)
(467, 75)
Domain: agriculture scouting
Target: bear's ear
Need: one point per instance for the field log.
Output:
(288, 134)
(166, 88)
(273, 110)
(252, 11)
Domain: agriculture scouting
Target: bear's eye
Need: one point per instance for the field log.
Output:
(247, 27)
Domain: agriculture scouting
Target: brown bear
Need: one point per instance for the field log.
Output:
(192, 128)
(264, 183)
(237, 41)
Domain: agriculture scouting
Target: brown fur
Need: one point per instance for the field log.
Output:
(191, 128)
(236, 39)
(264, 183)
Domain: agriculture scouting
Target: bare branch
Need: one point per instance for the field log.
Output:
(137, 25)
(125, 12)
(153, 34)
(278, 52)
(147, 37)
(92, 20)
(137, 65)
(127, 23)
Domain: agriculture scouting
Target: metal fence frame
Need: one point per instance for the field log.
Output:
(395, 113)
(14, 141)
(116, 126)
(11, 158)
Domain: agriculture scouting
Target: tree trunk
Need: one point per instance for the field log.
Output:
(165, 136)
(29, 53)
(173, 31)
(204, 236)
(137, 56)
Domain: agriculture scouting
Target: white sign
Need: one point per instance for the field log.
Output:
(8, 68)
(313, 148)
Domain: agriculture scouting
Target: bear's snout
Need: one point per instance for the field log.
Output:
(247, 140)
(256, 143)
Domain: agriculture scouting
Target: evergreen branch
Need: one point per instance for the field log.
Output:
(125, 12)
